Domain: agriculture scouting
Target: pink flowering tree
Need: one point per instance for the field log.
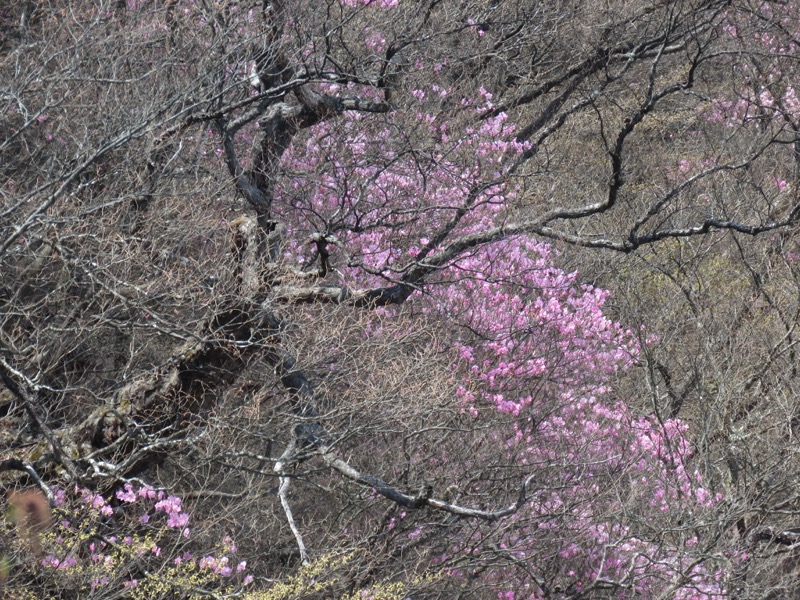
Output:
(528, 340)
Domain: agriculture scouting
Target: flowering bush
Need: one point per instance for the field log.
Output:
(138, 541)
(532, 342)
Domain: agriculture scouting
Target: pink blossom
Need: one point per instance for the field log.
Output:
(127, 494)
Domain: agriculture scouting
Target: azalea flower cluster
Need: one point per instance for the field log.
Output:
(123, 541)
